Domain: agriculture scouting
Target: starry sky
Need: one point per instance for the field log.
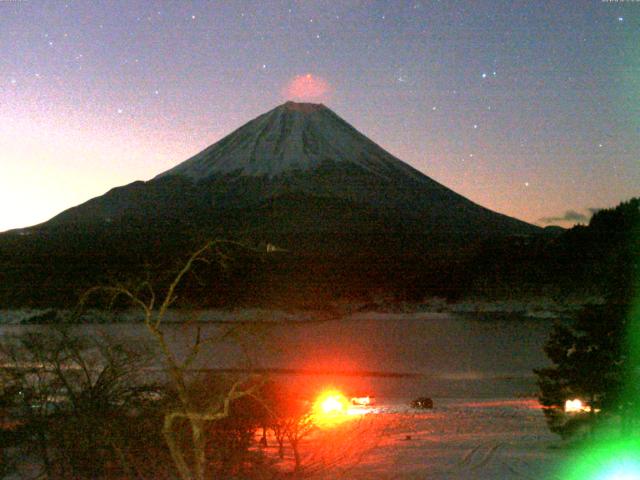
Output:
(530, 108)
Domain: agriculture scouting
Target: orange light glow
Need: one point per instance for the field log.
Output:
(330, 409)
(577, 406)
(361, 401)
(332, 404)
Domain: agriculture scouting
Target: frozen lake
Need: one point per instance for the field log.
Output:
(395, 356)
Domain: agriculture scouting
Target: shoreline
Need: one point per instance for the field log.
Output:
(542, 309)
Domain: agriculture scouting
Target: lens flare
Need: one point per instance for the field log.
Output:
(613, 460)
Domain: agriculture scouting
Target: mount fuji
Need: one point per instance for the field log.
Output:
(297, 150)
(349, 215)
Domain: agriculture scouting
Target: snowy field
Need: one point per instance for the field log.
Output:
(485, 424)
(458, 439)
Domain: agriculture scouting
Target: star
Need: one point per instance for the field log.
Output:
(434, 108)
(621, 19)
(193, 17)
(475, 125)
(484, 75)
(156, 92)
(526, 184)
(119, 110)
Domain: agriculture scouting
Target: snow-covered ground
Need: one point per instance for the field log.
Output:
(486, 423)
(481, 439)
(474, 369)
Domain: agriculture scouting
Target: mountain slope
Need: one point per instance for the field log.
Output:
(350, 216)
(302, 148)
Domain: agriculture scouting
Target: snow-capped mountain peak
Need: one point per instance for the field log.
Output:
(292, 136)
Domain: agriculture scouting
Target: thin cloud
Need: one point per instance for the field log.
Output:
(569, 216)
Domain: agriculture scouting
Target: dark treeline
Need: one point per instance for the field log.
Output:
(54, 265)
(599, 259)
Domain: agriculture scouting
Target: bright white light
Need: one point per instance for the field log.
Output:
(575, 406)
(625, 469)
(332, 404)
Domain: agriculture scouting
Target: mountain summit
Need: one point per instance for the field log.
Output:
(293, 136)
(349, 215)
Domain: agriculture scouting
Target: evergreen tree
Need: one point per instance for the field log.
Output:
(589, 363)
(596, 358)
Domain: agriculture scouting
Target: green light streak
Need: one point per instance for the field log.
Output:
(616, 460)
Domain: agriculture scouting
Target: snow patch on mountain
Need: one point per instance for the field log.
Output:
(293, 136)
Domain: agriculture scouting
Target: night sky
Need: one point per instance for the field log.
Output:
(529, 108)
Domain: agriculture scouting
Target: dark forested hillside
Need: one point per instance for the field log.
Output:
(600, 259)
(55, 265)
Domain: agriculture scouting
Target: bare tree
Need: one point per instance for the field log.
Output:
(72, 397)
(190, 460)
